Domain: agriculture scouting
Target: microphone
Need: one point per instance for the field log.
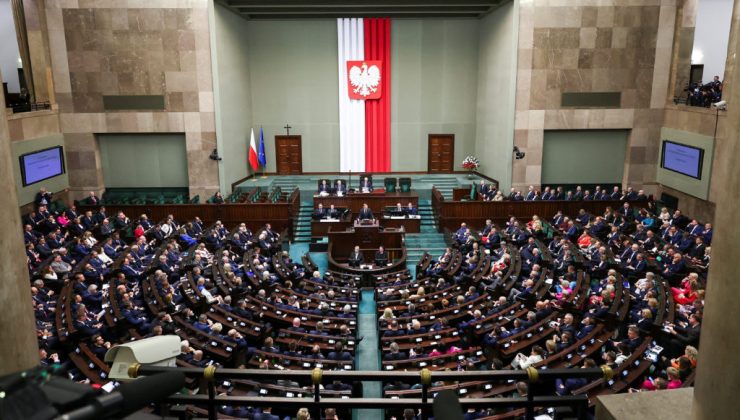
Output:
(129, 397)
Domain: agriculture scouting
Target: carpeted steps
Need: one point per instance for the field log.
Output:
(367, 356)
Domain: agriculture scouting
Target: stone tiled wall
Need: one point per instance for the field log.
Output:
(593, 46)
(700, 120)
(132, 47)
(31, 125)
(38, 48)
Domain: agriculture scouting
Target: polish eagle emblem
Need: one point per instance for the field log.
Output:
(364, 79)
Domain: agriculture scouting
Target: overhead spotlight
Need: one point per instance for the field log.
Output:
(214, 155)
(518, 155)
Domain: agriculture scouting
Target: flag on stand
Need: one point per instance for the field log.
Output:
(261, 155)
(253, 161)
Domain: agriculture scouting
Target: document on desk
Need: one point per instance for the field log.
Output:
(329, 220)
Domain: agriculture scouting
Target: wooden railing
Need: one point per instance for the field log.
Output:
(255, 215)
(451, 213)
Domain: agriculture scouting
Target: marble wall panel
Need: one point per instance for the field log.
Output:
(132, 47)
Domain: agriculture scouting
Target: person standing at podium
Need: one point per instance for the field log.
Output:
(381, 257)
(365, 213)
(355, 258)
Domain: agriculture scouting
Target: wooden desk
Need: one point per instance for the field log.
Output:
(451, 213)
(280, 215)
(376, 200)
(368, 238)
(321, 228)
(409, 225)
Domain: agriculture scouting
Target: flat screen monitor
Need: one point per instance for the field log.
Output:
(41, 164)
(686, 160)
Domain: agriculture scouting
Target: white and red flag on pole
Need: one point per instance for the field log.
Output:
(253, 161)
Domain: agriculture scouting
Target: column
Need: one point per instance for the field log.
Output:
(18, 346)
(717, 386)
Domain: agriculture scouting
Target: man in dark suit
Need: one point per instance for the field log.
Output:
(92, 199)
(695, 229)
(266, 414)
(531, 194)
(685, 336)
(572, 232)
(411, 210)
(366, 185)
(381, 257)
(615, 195)
(332, 213)
(319, 213)
(365, 213)
(395, 353)
(324, 187)
(88, 220)
(43, 197)
(339, 353)
(557, 219)
(558, 194)
(71, 212)
(482, 188)
(578, 195)
(356, 258)
(679, 220)
(340, 188)
(546, 194)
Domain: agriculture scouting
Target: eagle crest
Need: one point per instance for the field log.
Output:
(364, 79)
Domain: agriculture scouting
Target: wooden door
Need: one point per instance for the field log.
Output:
(441, 153)
(288, 152)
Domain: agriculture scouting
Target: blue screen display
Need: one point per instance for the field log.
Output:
(41, 165)
(683, 159)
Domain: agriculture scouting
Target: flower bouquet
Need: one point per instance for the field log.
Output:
(471, 163)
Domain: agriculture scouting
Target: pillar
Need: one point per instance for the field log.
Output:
(18, 346)
(717, 386)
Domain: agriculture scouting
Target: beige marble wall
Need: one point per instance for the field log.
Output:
(31, 125)
(715, 393)
(593, 46)
(133, 48)
(38, 47)
(699, 120)
(19, 349)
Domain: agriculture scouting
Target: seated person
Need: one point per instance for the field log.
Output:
(340, 189)
(398, 210)
(411, 210)
(356, 258)
(365, 213)
(381, 257)
(324, 188)
(319, 213)
(565, 387)
(332, 213)
(394, 353)
(366, 185)
(217, 198)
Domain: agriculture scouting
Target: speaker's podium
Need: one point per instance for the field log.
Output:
(369, 236)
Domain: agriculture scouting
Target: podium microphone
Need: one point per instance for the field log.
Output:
(130, 397)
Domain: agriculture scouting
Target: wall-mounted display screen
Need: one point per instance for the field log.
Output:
(686, 160)
(41, 164)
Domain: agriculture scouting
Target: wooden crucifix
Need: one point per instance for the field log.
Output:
(287, 129)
